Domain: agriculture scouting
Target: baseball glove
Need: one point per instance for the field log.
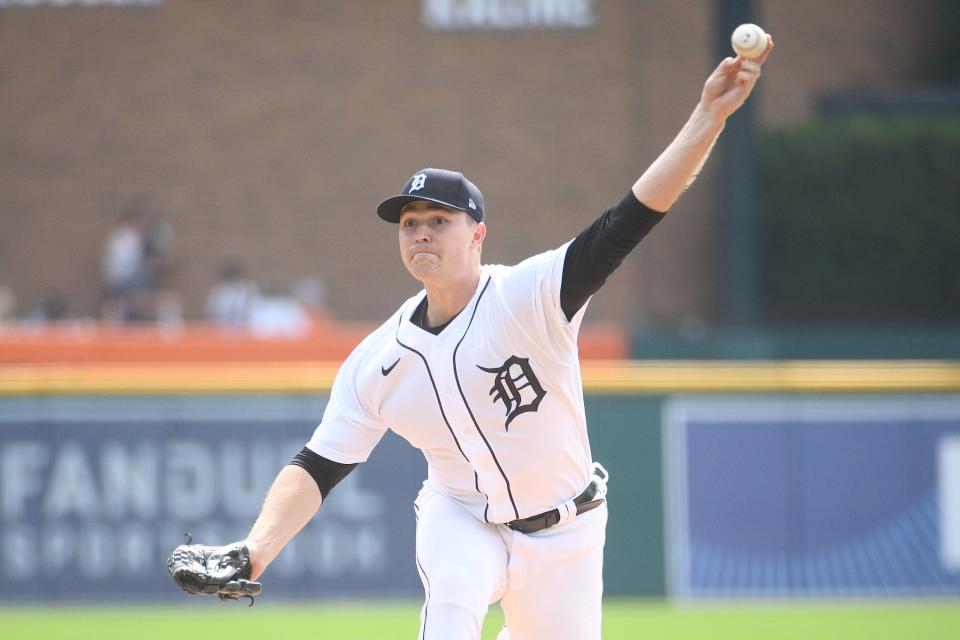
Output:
(224, 571)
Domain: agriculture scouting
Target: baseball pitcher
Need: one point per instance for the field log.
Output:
(480, 372)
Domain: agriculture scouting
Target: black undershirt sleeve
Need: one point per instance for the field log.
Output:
(326, 473)
(600, 248)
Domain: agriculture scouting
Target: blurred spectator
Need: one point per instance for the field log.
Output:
(124, 267)
(166, 306)
(231, 301)
(278, 314)
(136, 265)
(158, 248)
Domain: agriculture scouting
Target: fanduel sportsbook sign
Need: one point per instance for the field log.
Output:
(96, 492)
(464, 15)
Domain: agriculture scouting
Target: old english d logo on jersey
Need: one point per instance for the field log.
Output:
(515, 385)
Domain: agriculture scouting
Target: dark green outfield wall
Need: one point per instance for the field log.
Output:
(626, 439)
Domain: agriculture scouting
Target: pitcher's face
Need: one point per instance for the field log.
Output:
(438, 243)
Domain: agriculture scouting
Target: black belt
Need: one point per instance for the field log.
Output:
(585, 502)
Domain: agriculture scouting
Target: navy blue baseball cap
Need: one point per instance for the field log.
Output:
(449, 188)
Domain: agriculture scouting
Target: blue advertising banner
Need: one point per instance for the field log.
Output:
(813, 496)
(96, 492)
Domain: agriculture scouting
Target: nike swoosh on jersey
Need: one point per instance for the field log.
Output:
(386, 370)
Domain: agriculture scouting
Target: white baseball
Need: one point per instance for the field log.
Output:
(749, 41)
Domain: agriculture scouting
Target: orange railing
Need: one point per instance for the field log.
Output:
(328, 342)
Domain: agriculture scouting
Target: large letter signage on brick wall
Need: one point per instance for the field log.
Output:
(466, 15)
(83, 4)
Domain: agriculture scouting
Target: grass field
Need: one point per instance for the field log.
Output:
(623, 620)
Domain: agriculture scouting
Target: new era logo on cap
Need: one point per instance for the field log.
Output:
(448, 188)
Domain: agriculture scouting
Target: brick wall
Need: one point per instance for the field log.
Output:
(270, 130)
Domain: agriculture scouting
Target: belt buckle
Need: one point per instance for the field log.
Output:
(598, 485)
(600, 477)
(600, 472)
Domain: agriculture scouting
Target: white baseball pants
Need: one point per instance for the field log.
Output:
(549, 583)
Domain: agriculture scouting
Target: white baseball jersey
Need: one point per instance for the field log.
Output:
(494, 401)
